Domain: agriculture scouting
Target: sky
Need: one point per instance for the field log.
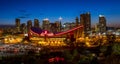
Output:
(53, 9)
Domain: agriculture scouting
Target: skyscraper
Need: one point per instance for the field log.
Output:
(52, 27)
(102, 24)
(76, 33)
(60, 19)
(46, 24)
(77, 21)
(85, 20)
(97, 29)
(23, 27)
(69, 25)
(58, 26)
(17, 24)
(36, 23)
(29, 25)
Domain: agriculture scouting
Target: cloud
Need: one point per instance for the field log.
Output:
(22, 17)
(24, 14)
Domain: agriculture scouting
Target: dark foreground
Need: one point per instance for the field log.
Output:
(79, 55)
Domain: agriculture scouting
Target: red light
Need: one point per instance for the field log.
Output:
(45, 32)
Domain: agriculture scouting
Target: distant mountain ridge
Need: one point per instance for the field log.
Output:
(3, 26)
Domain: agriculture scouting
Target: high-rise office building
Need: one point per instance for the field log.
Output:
(85, 20)
(53, 27)
(69, 25)
(46, 24)
(23, 27)
(76, 33)
(77, 21)
(102, 24)
(60, 19)
(36, 23)
(58, 26)
(97, 29)
(29, 24)
(17, 24)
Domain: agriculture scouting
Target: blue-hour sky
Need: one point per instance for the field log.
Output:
(53, 9)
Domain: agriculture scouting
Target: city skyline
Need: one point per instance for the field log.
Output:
(53, 9)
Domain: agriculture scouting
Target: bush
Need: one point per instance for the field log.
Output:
(116, 49)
